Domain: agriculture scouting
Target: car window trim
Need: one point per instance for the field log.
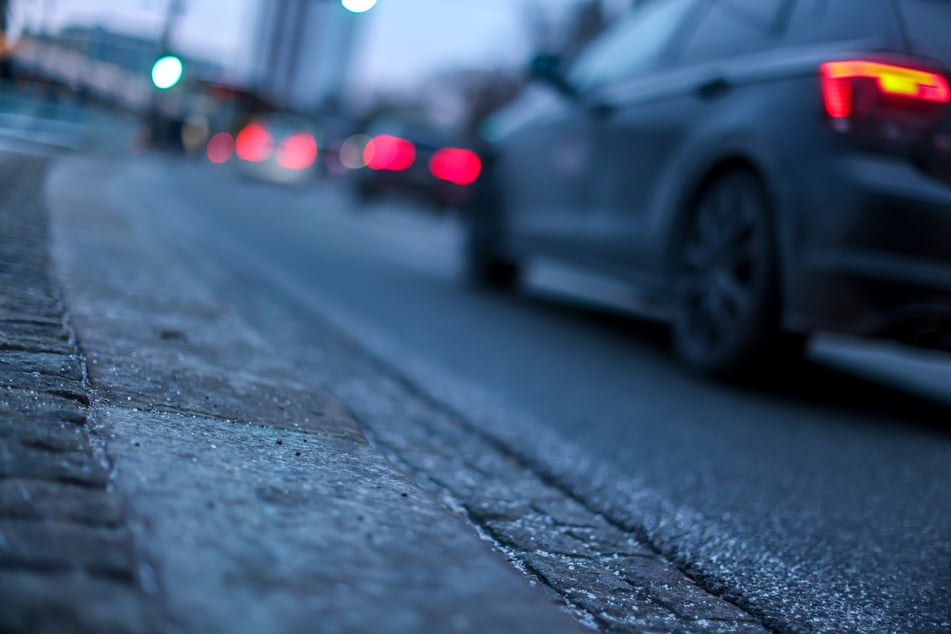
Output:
(742, 69)
(663, 60)
(775, 32)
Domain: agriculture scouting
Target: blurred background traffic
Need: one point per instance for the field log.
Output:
(270, 128)
(285, 91)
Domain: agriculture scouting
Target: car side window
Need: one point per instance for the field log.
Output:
(632, 45)
(831, 20)
(730, 27)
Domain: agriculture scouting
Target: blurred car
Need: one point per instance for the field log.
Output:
(411, 156)
(757, 170)
(335, 129)
(276, 148)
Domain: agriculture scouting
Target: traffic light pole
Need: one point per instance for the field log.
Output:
(174, 10)
(157, 127)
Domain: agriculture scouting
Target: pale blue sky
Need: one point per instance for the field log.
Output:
(401, 41)
(404, 39)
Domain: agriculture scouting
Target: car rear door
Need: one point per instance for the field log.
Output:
(650, 121)
(635, 46)
(540, 167)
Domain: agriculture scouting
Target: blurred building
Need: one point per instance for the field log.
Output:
(302, 52)
(5, 67)
(111, 65)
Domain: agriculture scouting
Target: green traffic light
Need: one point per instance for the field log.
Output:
(167, 71)
(358, 6)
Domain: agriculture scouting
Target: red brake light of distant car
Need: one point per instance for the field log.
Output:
(391, 153)
(456, 165)
(220, 148)
(838, 84)
(297, 152)
(254, 143)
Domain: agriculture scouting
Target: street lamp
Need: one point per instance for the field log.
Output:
(358, 6)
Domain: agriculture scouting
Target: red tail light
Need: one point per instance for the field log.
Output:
(839, 83)
(254, 143)
(297, 152)
(456, 165)
(391, 153)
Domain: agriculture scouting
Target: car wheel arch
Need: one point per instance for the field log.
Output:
(698, 179)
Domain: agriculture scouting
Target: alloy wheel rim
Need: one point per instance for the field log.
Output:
(721, 269)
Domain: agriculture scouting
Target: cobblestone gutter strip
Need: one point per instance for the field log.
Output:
(607, 574)
(67, 559)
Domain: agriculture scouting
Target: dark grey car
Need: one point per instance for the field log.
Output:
(757, 170)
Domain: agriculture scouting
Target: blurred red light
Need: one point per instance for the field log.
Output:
(456, 165)
(838, 97)
(899, 81)
(220, 148)
(254, 143)
(297, 152)
(391, 153)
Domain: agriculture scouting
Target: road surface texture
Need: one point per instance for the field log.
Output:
(165, 469)
(252, 350)
(202, 320)
(817, 501)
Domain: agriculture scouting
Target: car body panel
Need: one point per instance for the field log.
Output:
(622, 162)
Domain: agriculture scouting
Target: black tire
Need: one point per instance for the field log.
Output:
(487, 265)
(725, 318)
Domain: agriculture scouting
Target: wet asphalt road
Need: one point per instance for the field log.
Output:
(819, 498)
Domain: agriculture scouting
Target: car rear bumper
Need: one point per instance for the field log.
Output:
(421, 185)
(875, 254)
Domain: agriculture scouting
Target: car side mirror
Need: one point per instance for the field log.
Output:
(549, 68)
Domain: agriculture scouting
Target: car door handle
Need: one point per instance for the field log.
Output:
(713, 88)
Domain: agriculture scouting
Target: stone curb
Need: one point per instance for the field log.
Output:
(67, 560)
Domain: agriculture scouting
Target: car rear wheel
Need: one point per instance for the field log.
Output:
(726, 308)
(486, 263)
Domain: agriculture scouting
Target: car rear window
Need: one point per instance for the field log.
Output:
(928, 27)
